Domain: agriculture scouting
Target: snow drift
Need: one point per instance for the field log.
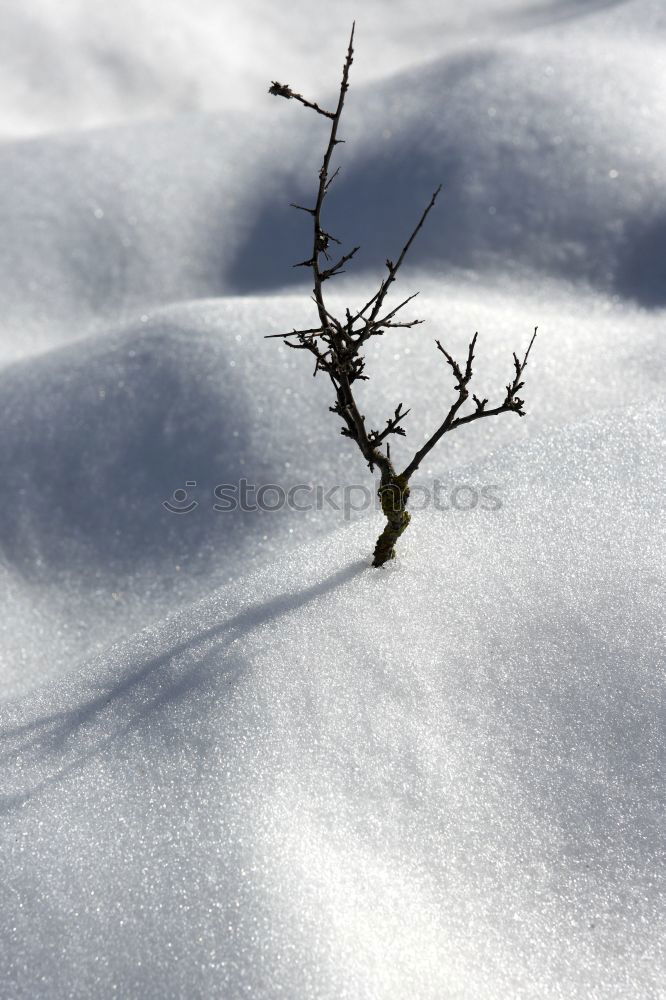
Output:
(328, 781)
(236, 761)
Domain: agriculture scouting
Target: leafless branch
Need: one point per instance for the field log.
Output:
(284, 90)
(511, 403)
(301, 208)
(337, 346)
(377, 299)
(392, 426)
(336, 269)
(293, 333)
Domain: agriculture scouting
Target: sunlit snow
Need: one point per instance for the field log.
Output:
(237, 761)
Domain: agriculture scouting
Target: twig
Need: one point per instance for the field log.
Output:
(511, 403)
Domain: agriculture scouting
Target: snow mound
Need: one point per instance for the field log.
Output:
(143, 216)
(235, 760)
(199, 205)
(66, 65)
(572, 187)
(100, 434)
(326, 780)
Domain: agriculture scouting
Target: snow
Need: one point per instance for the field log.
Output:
(236, 760)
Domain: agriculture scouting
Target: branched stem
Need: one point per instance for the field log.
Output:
(336, 345)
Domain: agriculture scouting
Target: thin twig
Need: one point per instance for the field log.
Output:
(380, 295)
(284, 90)
(511, 403)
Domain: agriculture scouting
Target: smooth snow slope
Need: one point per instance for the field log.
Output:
(235, 760)
(549, 147)
(324, 781)
(100, 432)
(65, 64)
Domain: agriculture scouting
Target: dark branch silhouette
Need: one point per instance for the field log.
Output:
(336, 344)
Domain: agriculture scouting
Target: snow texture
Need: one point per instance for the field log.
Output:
(236, 761)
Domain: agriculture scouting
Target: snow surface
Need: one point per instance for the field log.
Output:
(237, 761)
